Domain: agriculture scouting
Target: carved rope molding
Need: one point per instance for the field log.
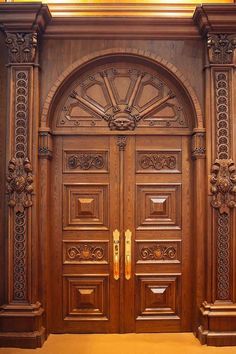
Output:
(221, 48)
(22, 51)
(223, 178)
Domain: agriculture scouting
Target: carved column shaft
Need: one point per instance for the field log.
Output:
(221, 50)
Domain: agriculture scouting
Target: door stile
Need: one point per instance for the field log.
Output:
(129, 224)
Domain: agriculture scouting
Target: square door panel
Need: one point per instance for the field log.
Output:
(158, 206)
(157, 296)
(85, 207)
(86, 297)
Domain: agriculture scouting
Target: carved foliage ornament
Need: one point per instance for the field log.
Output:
(221, 48)
(158, 252)
(22, 47)
(157, 161)
(86, 253)
(20, 183)
(86, 161)
(223, 181)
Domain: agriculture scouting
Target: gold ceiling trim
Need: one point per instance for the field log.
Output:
(123, 8)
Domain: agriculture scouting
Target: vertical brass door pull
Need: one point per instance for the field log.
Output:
(128, 235)
(116, 254)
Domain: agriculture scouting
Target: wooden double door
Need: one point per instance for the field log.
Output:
(120, 246)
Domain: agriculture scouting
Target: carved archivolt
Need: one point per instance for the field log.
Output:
(121, 97)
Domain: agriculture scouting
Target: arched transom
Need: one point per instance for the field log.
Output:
(121, 96)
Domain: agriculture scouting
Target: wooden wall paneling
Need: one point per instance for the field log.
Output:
(218, 311)
(21, 314)
(3, 123)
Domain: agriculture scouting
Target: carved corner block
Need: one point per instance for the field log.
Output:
(221, 48)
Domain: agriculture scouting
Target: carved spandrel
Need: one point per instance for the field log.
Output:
(22, 47)
(121, 99)
(221, 48)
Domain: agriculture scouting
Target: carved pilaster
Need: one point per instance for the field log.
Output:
(121, 142)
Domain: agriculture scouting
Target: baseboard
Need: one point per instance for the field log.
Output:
(217, 339)
(23, 339)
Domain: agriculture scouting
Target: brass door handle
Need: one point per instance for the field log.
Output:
(116, 254)
(128, 236)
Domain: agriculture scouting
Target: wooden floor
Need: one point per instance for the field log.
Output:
(183, 343)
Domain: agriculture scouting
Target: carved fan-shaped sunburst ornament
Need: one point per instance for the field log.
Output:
(121, 97)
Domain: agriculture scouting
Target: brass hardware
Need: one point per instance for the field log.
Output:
(128, 235)
(116, 254)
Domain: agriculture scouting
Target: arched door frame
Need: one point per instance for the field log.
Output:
(198, 155)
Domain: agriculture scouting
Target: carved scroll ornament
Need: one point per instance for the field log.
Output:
(86, 253)
(86, 161)
(223, 181)
(221, 48)
(20, 183)
(158, 252)
(157, 161)
(22, 47)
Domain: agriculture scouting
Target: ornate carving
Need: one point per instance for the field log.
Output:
(86, 253)
(221, 48)
(22, 47)
(157, 161)
(198, 145)
(223, 187)
(86, 161)
(158, 252)
(19, 256)
(222, 114)
(122, 99)
(21, 113)
(20, 183)
(121, 142)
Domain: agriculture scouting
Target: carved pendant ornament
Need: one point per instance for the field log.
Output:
(19, 184)
(22, 47)
(121, 99)
(223, 187)
(86, 253)
(86, 161)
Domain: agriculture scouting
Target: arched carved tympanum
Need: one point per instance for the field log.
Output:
(121, 96)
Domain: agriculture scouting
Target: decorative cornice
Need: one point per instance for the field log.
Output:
(221, 48)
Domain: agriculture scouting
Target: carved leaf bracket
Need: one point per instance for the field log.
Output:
(19, 184)
(221, 48)
(223, 185)
(22, 47)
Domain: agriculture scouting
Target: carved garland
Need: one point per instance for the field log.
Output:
(223, 179)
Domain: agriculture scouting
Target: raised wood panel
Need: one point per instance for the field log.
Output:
(158, 161)
(157, 296)
(158, 206)
(86, 207)
(85, 161)
(158, 251)
(86, 252)
(86, 297)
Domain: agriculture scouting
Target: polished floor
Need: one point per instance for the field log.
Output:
(182, 343)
